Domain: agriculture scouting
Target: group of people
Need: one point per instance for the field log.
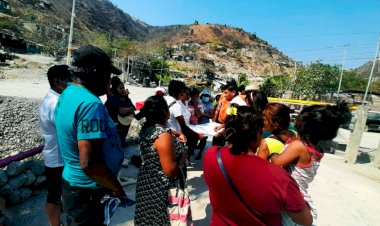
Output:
(258, 168)
(83, 152)
(268, 162)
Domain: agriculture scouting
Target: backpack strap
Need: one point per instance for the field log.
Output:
(234, 188)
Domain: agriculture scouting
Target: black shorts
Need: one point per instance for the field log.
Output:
(54, 184)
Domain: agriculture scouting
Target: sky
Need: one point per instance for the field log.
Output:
(305, 30)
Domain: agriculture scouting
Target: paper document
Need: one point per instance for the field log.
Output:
(207, 128)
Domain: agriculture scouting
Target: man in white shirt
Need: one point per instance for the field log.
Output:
(177, 121)
(58, 77)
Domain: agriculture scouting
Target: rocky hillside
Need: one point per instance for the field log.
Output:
(365, 70)
(193, 49)
(226, 50)
(91, 15)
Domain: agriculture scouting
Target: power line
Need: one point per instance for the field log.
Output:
(328, 47)
(320, 36)
(335, 59)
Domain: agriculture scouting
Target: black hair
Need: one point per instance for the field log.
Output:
(61, 72)
(319, 124)
(155, 111)
(194, 91)
(256, 99)
(176, 87)
(277, 113)
(89, 76)
(93, 79)
(231, 86)
(217, 97)
(115, 82)
(243, 128)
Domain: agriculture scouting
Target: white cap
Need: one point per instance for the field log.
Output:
(160, 91)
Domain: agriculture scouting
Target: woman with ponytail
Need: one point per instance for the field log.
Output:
(276, 121)
(265, 189)
(162, 156)
(317, 125)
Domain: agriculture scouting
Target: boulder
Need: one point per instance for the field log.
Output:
(3, 177)
(40, 179)
(6, 190)
(14, 198)
(18, 181)
(36, 166)
(25, 193)
(30, 177)
(15, 168)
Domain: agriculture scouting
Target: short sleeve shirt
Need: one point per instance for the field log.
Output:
(175, 110)
(185, 112)
(222, 108)
(80, 115)
(266, 188)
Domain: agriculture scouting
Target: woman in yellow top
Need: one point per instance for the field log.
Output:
(276, 120)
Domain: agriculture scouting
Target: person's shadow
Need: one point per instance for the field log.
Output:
(205, 221)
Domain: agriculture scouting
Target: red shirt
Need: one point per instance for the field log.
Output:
(266, 188)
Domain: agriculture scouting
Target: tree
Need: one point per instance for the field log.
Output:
(351, 80)
(268, 87)
(242, 81)
(165, 78)
(314, 80)
(276, 85)
(158, 67)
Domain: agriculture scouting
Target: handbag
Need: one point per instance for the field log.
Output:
(179, 210)
(234, 188)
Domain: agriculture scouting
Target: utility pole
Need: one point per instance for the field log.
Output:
(361, 116)
(295, 78)
(132, 63)
(68, 58)
(341, 72)
(376, 161)
(353, 145)
(370, 76)
(127, 68)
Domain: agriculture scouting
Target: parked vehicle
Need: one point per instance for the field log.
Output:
(373, 121)
(372, 124)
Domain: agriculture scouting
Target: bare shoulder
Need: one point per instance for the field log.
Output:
(296, 146)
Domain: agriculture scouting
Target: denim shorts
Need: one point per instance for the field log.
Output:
(82, 205)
